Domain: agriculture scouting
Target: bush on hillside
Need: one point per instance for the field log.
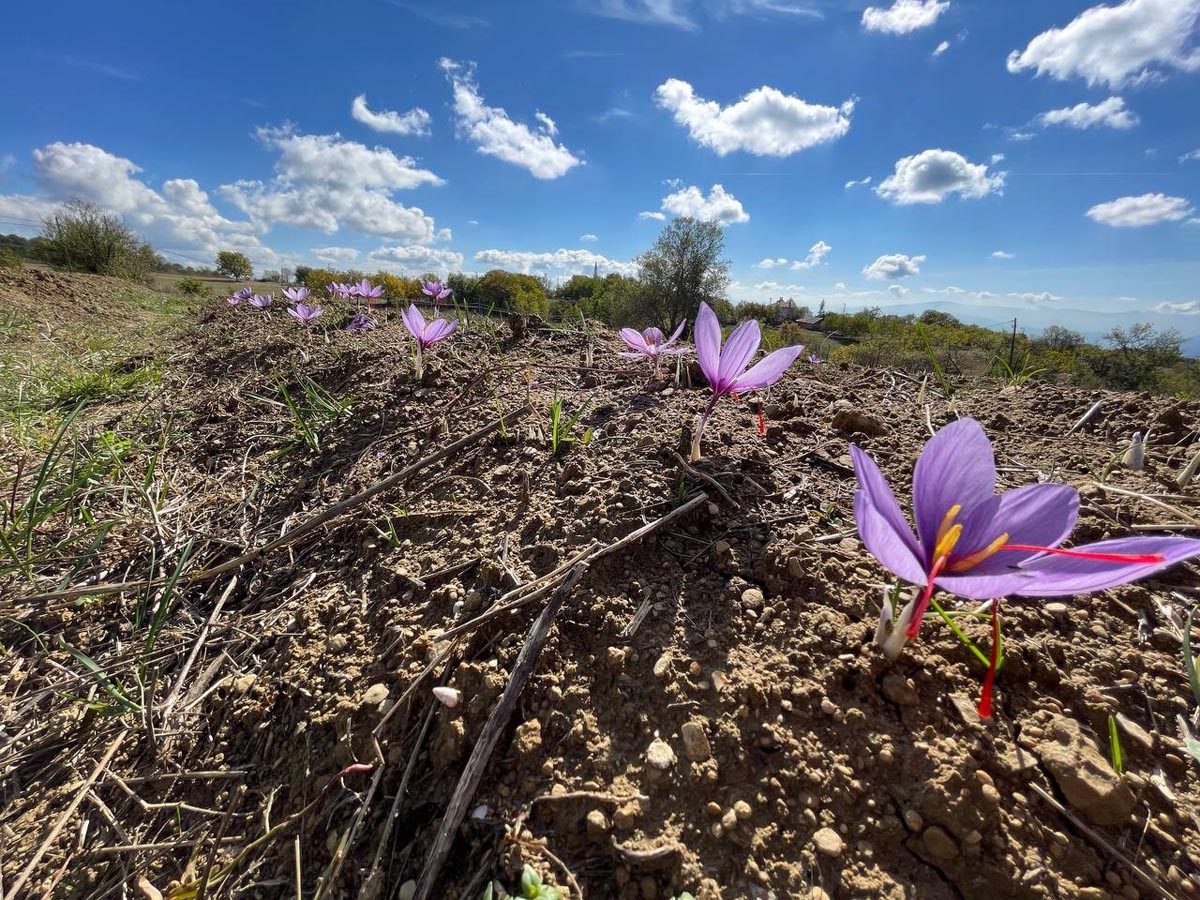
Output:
(82, 237)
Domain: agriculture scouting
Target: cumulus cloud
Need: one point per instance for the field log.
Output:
(1189, 308)
(941, 48)
(774, 287)
(903, 16)
(588, 237)
(1020, 136)
(1130, 42)
(1110, 113)
(493, 133)
(682, 14)
(416, 121)
(718, 206)
(855, 183)
(897, 290)
(769, 263)
(948, 289)
(932, 175)
(656, 216)
(1003, 254)
(997, 157)
(816, 253)
(893, 266)
(1140, 211)
(764, 122)
(176, 218)
(335, 256)
(565, 261)
(1042, 297)
(326, 183)
(1190, 156)
(415, 259)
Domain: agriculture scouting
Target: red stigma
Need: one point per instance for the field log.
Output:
(985, 699)
(1134, 558)
(762, 424)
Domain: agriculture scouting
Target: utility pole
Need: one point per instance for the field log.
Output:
(1012, 344)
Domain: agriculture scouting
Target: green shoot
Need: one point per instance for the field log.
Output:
(532, 887)
(318, 411)
(1019, 377)
(1189, 658)
(947, 389)
(949, 619)
(164, 604)
(122, 703)
(1116, 757)
(561, 427)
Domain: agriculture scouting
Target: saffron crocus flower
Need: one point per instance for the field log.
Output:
(237, 297)
(425, 334)
(260, 301)
(725, 368)
(366, 290)
(360, 322)
(814, 360)
(436, 290)
(296, 295)
(651, 345)
(975, 543)
(302, 312)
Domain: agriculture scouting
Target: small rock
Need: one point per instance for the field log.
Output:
(375, 695)
(795, 567)
(408, 890)
(939, 843)
(742, 810)
(752, 598)
(626, 816)
(1057, 610)
(662, 665)
(1083, 774)
(597, 824)
(243, 683)
(659, 755)
(337, 643)
(899, 689)
(447, 696)
(528, 739)
(829, 843)
(913, 821)
(855, 421)
(695, 742)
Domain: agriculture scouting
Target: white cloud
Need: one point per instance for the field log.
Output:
(472, 221)
(178, 218)
(816, 253)
(897, 290)
(1190, 156)
(1003, 254)
(565, 261)
(656, 216)
(840, 286)
(903, 16)
(854, 183)
(949, 289)
(416, 121)
(415, 260)
(769, 263)
(24, 206)
(997, 157)
(764, 122)
(326, 183)
(941, 48)
(932, 175)
(646, 12)
(1021, 136)
(495, 134)
(588, 237)
(1043, 297)
(1138, 212)
(680, 13)
(774, 287)
(1131, 42)
(719, 206)
(335, 256)
(893, 266)
(1110, 113)
(1190, 308)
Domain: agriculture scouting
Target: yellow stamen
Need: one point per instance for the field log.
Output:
(971, 560)
(946, 541)
(947, 521)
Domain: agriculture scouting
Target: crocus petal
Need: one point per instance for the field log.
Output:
(631, 355)
(767, 370)
(439, 329)
(874, 486)
(444, 293)
(986, 587)
(295, 314)
(634, 339)
(738, 351)
(956, 467)
(708, 344)
(675, 334)
(414, 321)
(1057, 576)
(1039, 515)
(653, 336)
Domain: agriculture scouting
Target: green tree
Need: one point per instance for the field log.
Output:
(81, 236)
(683, 268)
(234, 265)
(512, 292)
(1058, 338)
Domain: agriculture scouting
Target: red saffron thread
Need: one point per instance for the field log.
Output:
(762, 424)
(1140, 558)
(985, 699)
(919, 613)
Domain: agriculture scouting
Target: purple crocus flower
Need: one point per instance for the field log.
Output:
(296, 295)
(302, 312)
(366, 290)
(814, 360)
(436, 290)
(725, 368)
(259, 301)
(650, 344)
(361, 322)
(426, 335)
(975, 543)
(238, 296)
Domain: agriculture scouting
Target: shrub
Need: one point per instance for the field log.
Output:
(191, 287)
(82, 237)
(396, 287)
(10, 260)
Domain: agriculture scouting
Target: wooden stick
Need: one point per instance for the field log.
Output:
(67, 813)
(173, 697)
(293, 534)
(1086, 417)
(707, 479)
(472, 774)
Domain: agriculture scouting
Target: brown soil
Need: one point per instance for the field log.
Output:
(796, 760)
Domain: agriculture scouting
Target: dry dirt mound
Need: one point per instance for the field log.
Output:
(707, 713)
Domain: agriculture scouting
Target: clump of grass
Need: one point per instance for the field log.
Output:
(313, 409)
(1115, 756)
(947, 388)
(562, 427)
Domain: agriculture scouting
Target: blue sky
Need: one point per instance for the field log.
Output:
(1030, 155)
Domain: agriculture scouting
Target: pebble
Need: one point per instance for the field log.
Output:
(408, 890)
(899, 689)
(913, 820)
(742, 810)
(939, 843)
(829, 843)
(695, 742)
(659, 755)
(597, 824)
(243, 683)
(337, 643)
(752, 598)
(374, 695)
(1057, 610)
